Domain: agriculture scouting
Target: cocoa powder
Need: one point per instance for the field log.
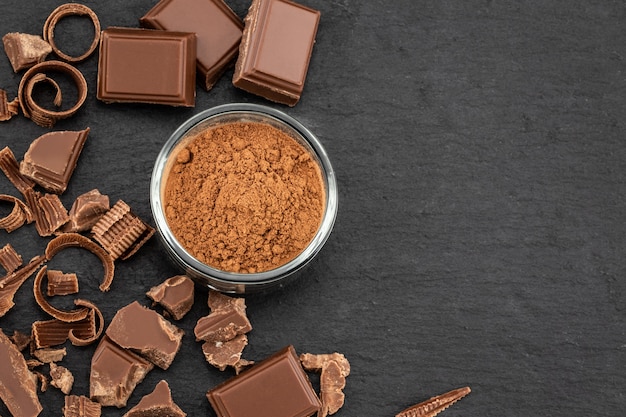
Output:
(244, 197)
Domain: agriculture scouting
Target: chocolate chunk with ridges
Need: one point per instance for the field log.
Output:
(25, 50)
(61, 378)
(146, 332)
(115, 372)
(18, 385)
(60, 283)
(9, 258)
(52, 157)
(52, 214)
(435, 405)
(21, 340)
(223, 354)
(81, 406)
(87, 209)
(218, 32)
(158, 403)
(275, 387)
(275, 50)
(19, 215)
(175, 294)
(147, 66)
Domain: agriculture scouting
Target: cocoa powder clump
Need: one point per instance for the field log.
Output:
(244, 197)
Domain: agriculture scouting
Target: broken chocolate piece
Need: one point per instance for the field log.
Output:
(43, 381)
(86, 211)
(218, 301)
(332, 382)
(52, 214)
(146, 332)
(316, 363)
(9, 284)
(66, 316)
(222, 325)
(11, 169)
(9, 258)
(79, 338)
(68, 240)
(276, 387)
(18, 385)
(147, 66)
(55, 332)
(25, 50)
(218, 31)
(121, 232)
(18, 216)
(175, 294)
(61, 378)
(222, 354)
(8, 108)
(48, 355)
(275, 50)
(158, 403)
(435, 405)
(81, 406)
(71, 9)
(21, 340)
(115, 372)
(52, 157)
(60, 283)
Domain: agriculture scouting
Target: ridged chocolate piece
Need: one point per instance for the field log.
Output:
(52, 157)
(47, 333)
(147, 333)
(10, 167)
(25, 50)
(175, 295)
(18, 386)
(52, 215)
(60, 283)
(218, 32)
(275, 50)
(435, 405)
(115, 372)
(120, 232)
(87, 209)
(81, 406)
(158, 403)
(9, 258)
(10, 283)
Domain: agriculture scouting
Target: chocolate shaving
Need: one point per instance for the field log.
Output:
(67, 316)
(71, 9)
(33, 363)
(36, 74)
(9, 284)
(175, 294)
(55, 332)
(9, 258)
(62, 378)
(68, 240)
(21, 340)
(87, 209)
(82, 406)
(10, 167)
(79, 338)
(8, 108)
(25, 50)
(121, 232)
(51, 214)
(48, 355)
(60, 283)
(435, 405)
(19, 215)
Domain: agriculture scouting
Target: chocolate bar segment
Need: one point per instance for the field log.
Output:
(276, 387)
(147, 66)
(52, 157)
(158, 403)
(218, 30)
(275, 50)
(18, 386)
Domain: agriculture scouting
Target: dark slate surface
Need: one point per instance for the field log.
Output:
(479, 149)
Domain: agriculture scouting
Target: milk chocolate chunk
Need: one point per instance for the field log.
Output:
(175, 294)
(10, 283)
(87, 209)
(275, 50)
(81, 406)
(222, 325)
(218, 32)
(11, 169)
(275, 387)
(18, 385)
(222, 354)
(316, 363)
(156, 404)
(115, 372)
(60, 283)
(51, 159)
(146, 332)
(147, 66)
(61, 378)
(21, 340)
(25, 50)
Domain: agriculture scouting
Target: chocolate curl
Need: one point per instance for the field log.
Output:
(9, 258)
(65, 10)
(98, 329)
(8, 108)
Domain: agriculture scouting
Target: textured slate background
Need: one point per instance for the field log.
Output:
(479, 149)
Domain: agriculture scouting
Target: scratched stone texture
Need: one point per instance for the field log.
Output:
(480, 153)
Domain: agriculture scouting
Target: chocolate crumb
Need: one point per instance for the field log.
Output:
(43, 381)
(62, 378)
(223, 354)
(8, 108)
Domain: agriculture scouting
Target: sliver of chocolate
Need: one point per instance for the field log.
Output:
(52, 157)
(10, 283)
(158, 403)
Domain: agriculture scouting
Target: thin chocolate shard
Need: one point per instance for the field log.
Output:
(52, 157)
(275, 50)
(61, 378)
(66, 316)
(218, 301)
(10, 167)
(68, 240)
(81, 406)
(158, 403)
(222, 325)
(316, 363)
(25, 50)
(55, 332)
(18, 385)
(9, 284)
(218, 32)
(21, 340)
(146, 332)
(121, 232)
(87, 209)
(8, 108)
(19, 215)
(49, 355)
(10, 259)
(223, 354)
(435, 405)
(52, 214)
(60, 283)
(115, 372)
(175, 294)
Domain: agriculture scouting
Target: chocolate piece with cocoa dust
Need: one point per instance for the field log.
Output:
(25, 50)
(81, 406)
(158, 403)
